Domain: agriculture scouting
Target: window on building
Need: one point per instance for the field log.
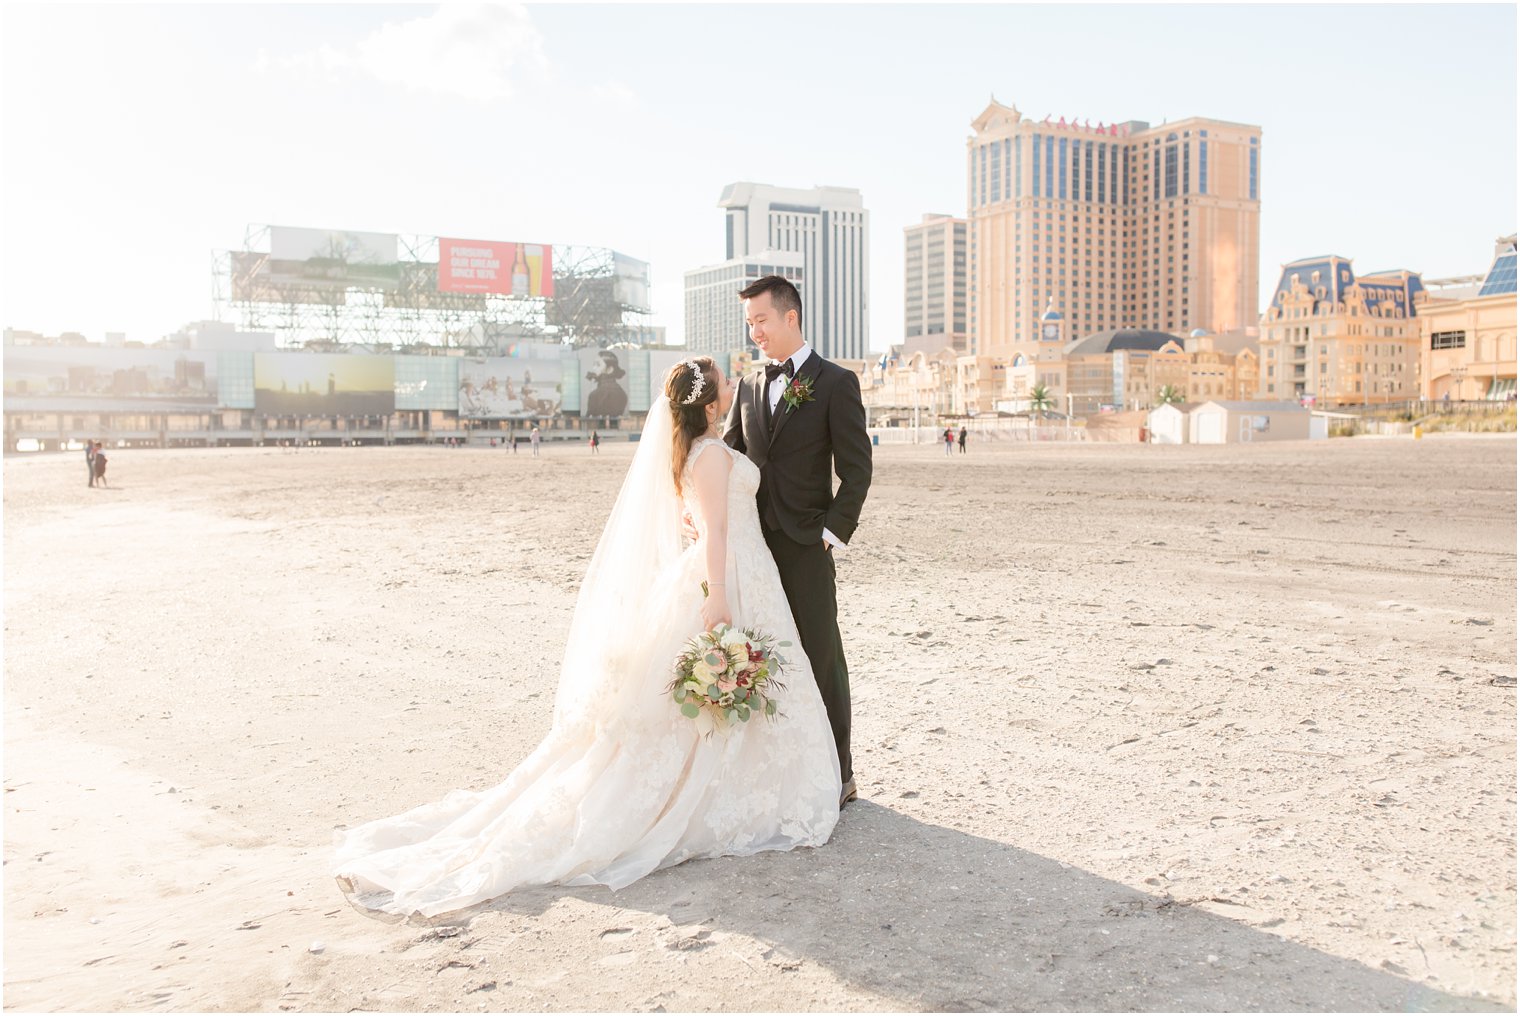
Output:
(1018, 167)
(1449, 340)
(1050, 167)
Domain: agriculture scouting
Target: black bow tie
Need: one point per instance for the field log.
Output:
(774, 370)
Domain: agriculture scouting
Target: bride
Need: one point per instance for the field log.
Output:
(623, 784)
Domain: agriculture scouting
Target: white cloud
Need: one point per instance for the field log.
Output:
(613, 93)
(471, 50)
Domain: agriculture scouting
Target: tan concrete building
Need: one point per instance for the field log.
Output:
(1224, 365)
(934, 292)
(979, 384)
(1467, 346)
(897, 383)
(1333, 338)
(1112, 226)
(1123, 369)
(1044, 365)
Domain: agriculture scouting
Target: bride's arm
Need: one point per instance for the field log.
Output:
(709, 476)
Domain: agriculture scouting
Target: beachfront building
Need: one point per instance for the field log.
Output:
(897, 383)
(1333, 338)
(208, 386)
(1123, 369)
(1467, 345)
(1224, 365)
(934, 285)
(1118, 370)
(1114, 226)
(1230, 422)
(980, 384)
(1042, 368)
(830, 228)
(715, 314)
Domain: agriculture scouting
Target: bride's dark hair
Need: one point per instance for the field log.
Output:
(690, 418)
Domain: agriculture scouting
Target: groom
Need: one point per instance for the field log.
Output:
(796, 420)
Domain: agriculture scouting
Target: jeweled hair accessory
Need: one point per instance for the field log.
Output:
(697, 384)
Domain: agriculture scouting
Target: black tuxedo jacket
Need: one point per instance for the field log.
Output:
(800, 447)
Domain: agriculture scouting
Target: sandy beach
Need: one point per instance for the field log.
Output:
(1136, 728)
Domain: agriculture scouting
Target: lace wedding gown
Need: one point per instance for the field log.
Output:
(623, 784)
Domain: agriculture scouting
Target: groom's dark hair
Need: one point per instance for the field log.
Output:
(784, 295)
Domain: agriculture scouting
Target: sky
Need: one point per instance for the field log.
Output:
(137, 140)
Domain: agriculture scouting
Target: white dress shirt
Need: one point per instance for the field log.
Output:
(774, 393)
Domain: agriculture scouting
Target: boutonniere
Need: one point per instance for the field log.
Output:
(798, 392)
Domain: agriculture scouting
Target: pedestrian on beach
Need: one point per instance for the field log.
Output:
(533, 439)
(89, 459)
(963, 439)
(99, 465)
(595, 443)
(949, 440)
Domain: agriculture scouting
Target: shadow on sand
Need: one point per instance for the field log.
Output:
(947, 921)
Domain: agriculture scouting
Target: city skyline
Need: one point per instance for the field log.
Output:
(162, 133)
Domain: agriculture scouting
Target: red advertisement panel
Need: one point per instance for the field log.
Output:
(489, 266)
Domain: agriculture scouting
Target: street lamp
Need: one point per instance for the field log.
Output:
(1459, 374)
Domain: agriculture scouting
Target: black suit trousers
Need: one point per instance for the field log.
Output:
(807, 575)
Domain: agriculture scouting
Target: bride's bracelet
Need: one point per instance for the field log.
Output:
(715, 585)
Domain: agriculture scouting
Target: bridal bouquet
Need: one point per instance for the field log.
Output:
(727, 675)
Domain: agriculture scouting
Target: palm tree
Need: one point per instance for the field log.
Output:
(1168, 395)
(1040, 400)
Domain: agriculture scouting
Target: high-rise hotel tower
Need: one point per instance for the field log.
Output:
(830, 227)
(1111, 226)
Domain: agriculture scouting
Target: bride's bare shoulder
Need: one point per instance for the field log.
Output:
(703, 452)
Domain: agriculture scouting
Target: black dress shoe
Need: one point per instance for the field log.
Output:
(847, 792)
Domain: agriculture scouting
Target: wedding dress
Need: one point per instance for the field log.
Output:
(623, 784)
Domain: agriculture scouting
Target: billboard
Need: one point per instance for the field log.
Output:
(315, 266)
(83, 374)
(604, 384)
(615, 382)
(323, 384)
(507, 388)
(488, 266)
(260, 278)
(290, 243)
(631, 285)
